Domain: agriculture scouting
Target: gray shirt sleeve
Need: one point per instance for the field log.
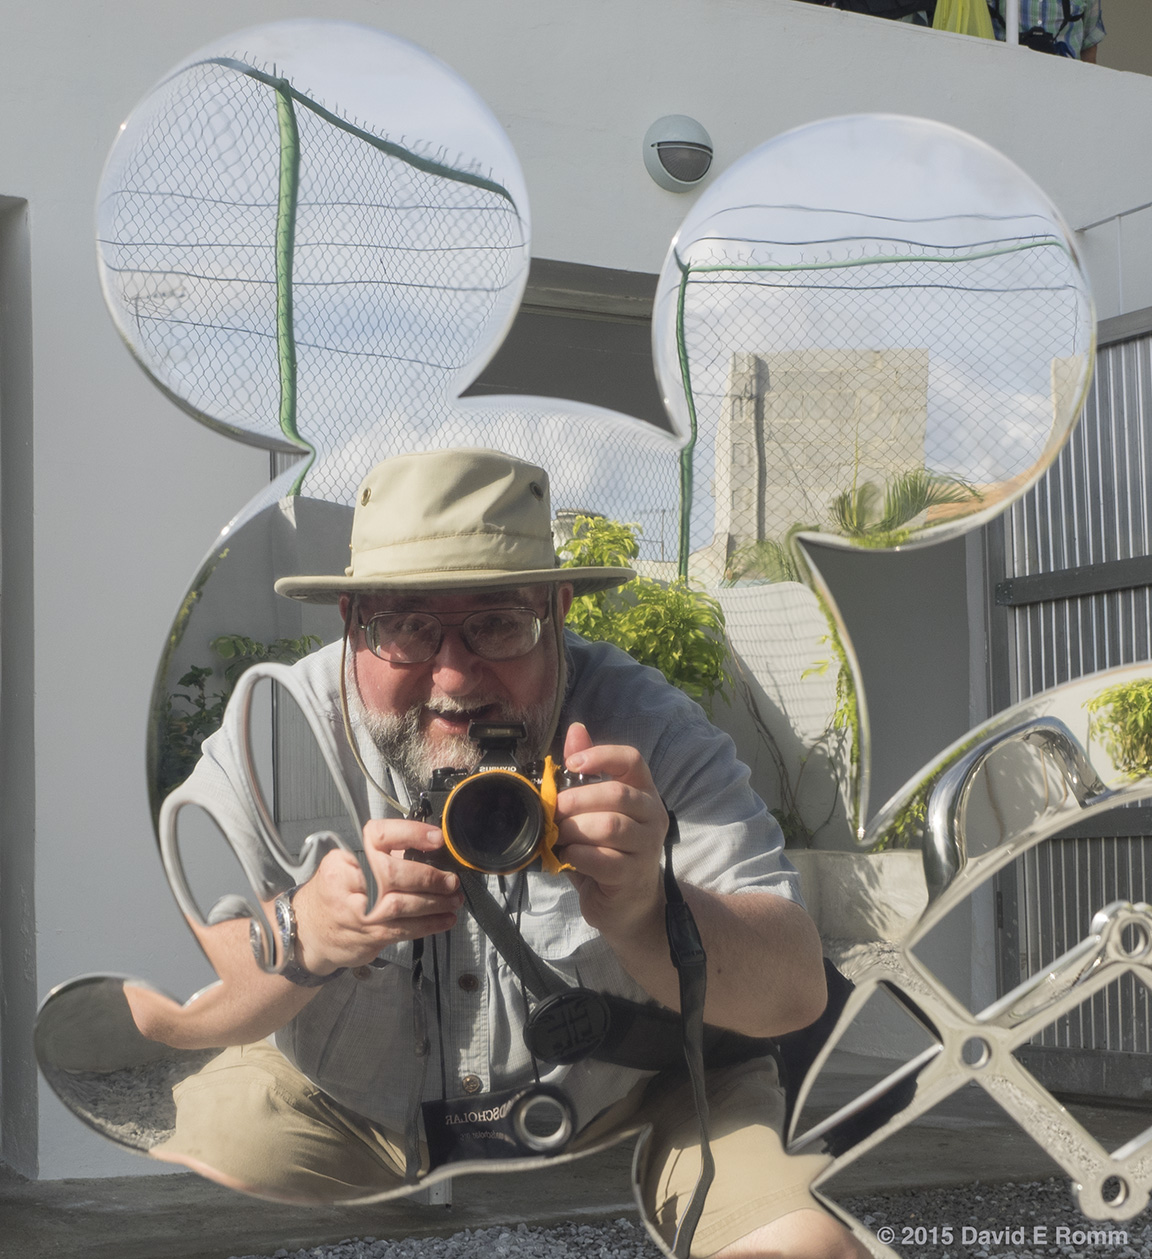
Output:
(729, 842)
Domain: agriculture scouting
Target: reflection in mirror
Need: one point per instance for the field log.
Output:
(296, 784)
(309, 210)
(903, 381)
(874, 328)
(797, 721)
(208, 876)
(100, 1066)
(985, 805)
(231, 619)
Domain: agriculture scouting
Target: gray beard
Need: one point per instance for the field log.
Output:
(412, 755)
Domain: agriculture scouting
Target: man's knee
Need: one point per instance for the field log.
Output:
(807, 1234)
(250, 1120)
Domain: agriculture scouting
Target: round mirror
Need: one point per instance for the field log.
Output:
(305, 212)
(873, 328)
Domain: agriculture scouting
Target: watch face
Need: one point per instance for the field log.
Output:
(286, 927)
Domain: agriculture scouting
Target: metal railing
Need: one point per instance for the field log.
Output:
(1118, 219)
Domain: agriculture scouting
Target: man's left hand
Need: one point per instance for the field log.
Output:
(612, 834)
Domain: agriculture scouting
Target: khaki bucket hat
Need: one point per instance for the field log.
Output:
(451, 520)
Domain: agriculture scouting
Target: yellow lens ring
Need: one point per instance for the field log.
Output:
(547, 830)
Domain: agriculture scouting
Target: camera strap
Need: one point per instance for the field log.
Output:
(691, 962)
(571, 1023)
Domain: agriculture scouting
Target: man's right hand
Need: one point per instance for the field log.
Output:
(335, 925)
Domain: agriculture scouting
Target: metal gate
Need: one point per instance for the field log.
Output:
(1072, 566)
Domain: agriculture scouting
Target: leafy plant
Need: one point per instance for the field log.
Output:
(860, 514)
(189, 716)
(763, 560)
(671, 627)
(1121, 719)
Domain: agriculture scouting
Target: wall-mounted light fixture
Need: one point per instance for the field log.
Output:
(677, 152)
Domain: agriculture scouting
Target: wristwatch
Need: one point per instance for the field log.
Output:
(286, 931)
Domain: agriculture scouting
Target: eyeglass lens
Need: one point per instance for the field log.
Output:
(492, 634)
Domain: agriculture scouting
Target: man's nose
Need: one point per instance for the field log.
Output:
(454, 667)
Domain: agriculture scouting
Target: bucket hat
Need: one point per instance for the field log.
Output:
(451, 520)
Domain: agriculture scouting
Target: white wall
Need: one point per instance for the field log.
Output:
(129, 493)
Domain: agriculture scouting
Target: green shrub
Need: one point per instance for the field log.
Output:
(1121, 719)
(860, 514)
(188, 717)
(671, 627)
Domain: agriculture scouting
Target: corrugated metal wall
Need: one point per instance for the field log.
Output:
(1093, 506)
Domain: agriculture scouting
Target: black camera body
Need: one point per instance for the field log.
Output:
(1041, 40)
(497, 818)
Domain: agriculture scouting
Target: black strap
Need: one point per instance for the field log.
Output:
(691, 962)
(644, 1037)
(638, 1035)
(492, 918)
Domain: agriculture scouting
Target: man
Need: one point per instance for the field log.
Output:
(1067, 28)
(453, 609)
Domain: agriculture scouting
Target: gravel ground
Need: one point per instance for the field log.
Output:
(616, 1239)
(1026, 1221)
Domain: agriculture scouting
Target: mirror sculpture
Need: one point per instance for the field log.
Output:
(872, 331)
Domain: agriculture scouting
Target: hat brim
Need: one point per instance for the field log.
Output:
(584, 581)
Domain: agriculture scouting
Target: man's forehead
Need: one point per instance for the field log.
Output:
(455, 600)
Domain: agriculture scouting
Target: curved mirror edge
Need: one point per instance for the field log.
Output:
(944, 488)
(1056, 754)
(349, 84)
(120, 1084)
(112, 1078)
(231, 618)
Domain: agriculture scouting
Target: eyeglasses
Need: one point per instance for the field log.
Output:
(491, 634)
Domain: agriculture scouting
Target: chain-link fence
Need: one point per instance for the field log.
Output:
(868, 386)
(288, 273)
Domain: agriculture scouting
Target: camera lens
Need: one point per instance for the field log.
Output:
(542, 1120)
(493, 822)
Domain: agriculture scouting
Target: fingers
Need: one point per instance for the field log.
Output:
(611, 760)
(608, 812)
(400, 834)
(335, 924)
(612, 831)
(623, 811)
(396, 907)
(385, 846)
(577, 740)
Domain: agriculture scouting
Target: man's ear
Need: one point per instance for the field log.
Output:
(344, 602)
(564, 599)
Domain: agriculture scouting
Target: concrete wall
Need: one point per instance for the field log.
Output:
(119, 495)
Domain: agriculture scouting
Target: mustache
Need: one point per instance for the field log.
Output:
(455, 707)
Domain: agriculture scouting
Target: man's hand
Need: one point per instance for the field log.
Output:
(335, 925)
(612, 834)
(765, 976)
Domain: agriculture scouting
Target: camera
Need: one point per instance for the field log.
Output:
(497, 818)
(1041, 40)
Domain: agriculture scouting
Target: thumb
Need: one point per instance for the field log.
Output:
(576, 740)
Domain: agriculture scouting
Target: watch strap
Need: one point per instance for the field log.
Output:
(286, 931)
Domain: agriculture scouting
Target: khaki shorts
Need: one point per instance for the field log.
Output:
(251, 1120)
